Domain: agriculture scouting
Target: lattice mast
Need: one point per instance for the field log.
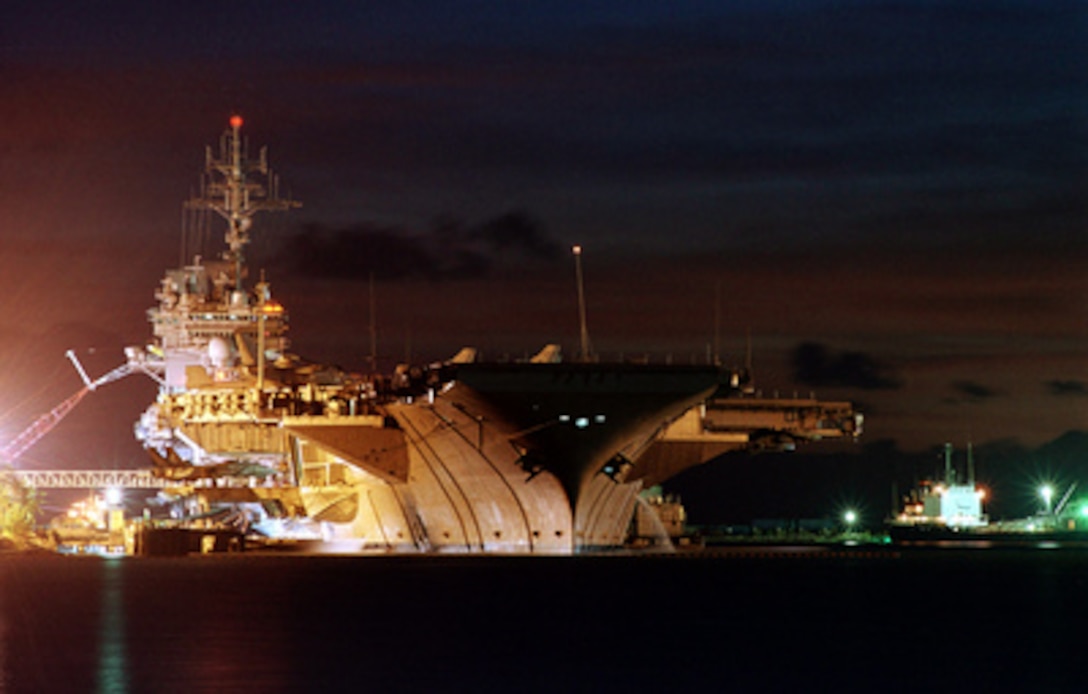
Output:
(237, 188)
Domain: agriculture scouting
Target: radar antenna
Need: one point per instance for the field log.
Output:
(233, 191)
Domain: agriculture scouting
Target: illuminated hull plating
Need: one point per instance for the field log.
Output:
(490, 468)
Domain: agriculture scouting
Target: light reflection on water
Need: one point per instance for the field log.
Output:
(114, 626)
(318, 623)
(3, 636)
(112, 666)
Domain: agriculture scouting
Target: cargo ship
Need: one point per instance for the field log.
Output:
(951, 510)
(541, 456)
(942, 506)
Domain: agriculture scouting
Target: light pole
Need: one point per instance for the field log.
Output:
(585, 356)
(1047, 492)
(849, 517)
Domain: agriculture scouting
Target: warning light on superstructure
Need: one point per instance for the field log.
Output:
(235, 122)
(271, 307)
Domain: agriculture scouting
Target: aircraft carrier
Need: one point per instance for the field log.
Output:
(541, 456)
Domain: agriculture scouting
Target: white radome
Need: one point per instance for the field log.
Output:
(219, 352)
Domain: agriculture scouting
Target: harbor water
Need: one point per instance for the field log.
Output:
(744, 619)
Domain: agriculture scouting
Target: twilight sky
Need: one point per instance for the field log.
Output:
(889, 197)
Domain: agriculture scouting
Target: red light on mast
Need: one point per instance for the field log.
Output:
(235, 122)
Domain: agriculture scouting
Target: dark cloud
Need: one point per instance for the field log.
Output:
(449, 249)
(1067, 388)
(815, 366)
(516, 232)
(974, 391)
(355, 253)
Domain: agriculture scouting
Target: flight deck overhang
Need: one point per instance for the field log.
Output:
(572, 419)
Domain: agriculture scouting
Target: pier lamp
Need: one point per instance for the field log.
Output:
(1047, 492)
(114, 512)
(113, 497)
(849, 519)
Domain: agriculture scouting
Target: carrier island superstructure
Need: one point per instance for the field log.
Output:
(541, 456)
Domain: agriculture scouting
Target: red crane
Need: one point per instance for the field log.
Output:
(41, 426)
